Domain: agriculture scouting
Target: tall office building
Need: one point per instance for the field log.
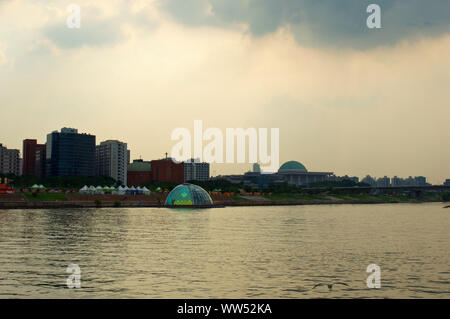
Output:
(9, 161)
(70, 154)
(40, 161)
(20, 166)
(194, 170)
(112, 158)
(33, 158)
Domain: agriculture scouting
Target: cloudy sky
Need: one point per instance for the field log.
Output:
(346, 98)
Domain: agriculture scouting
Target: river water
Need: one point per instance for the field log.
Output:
(233, 252)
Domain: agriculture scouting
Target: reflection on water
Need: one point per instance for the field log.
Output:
(235, 252)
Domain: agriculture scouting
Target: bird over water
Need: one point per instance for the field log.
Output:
(330, 285)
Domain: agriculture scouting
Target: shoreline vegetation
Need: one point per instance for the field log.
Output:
(63, 192)
(76, 200)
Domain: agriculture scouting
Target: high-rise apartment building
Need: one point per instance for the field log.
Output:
(194, 170)
(112, 158)
(369, 180)
(420, 181)
(335, 178)
(70, 154)
(384, 182)
(416, 181)
(9, 161)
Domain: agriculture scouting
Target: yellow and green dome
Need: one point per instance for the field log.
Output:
(188, 194)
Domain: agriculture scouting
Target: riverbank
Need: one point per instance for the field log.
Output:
(49, 201)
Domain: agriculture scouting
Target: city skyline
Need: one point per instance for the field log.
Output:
(382, 180)
(345, 98)
(231, 156)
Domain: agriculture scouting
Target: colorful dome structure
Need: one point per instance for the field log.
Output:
(188, 195)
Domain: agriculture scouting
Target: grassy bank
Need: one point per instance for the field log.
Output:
(54, 200)
(295, 197)
(353, 197)
(238, 198)
(45, 197)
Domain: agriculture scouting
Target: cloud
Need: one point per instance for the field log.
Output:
(320, 23)
(100, 26)
(348, 111)
(3, 58)
(91, 33)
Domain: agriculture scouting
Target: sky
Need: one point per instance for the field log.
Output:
(346, 98)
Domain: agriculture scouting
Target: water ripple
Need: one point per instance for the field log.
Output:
(235, 252)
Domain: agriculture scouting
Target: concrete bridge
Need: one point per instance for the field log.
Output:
(408, 188)
(415, 191)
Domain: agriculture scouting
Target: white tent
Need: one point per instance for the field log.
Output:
(145, 191)
(41, 186)
(99, 190)
(84, 190)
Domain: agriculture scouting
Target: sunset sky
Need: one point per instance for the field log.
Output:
(346, 98)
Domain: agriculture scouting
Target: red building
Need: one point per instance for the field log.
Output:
(139, 173)
(166, 170)
(33, 158)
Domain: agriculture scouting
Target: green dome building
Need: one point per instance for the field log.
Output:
(188, 195)
(295, 173)
(292, 166)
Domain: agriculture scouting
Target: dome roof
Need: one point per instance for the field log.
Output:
(188, 194)
(292, 166)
